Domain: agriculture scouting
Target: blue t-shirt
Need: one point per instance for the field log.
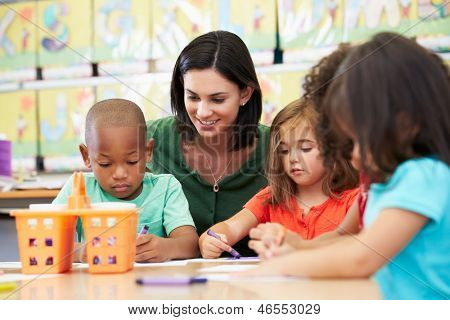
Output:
(422, 269)
(162, 204)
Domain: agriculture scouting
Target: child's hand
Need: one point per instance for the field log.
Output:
(151, 248)
(211, 247)
(270, 240)
(267, 251)
(269, 233)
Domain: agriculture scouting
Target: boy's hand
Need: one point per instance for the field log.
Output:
(211, 247)
(151, 248)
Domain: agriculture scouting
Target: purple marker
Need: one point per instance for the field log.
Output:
(166, 281)
(143, 231)
(233, 252)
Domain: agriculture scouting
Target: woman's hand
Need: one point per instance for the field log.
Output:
(211, 247)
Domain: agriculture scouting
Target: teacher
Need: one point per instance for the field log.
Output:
(214, 144)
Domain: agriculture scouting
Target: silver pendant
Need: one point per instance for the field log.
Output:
(216, 187)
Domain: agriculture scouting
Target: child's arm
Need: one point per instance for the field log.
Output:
(230, 231)
(182, 243)
(353, 256)
(277, 240)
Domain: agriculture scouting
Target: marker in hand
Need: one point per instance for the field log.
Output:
(233, 252)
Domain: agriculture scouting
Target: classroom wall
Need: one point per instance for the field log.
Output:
(58, 57)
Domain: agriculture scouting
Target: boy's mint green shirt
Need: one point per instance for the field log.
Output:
(162, 204)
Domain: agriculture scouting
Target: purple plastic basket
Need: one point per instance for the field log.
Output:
(5, 158)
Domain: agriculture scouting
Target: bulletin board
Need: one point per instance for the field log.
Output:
(62, 114)
(252, 20)
(18, 46)
(153, 97)
(122, 30)
(177, 22)
(314, 23)
(428, 18)
(310, 23)
(278, 90)
(65, 32)
(18, 122)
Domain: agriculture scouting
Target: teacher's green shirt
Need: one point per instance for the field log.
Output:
(206, 206)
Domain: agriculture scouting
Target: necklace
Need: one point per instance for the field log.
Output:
(216, 181)
(307, 206)
(303, 203)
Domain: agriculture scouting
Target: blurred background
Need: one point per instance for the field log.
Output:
(58, 57)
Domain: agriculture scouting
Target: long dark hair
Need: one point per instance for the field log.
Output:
(228, 54)
(393, 96)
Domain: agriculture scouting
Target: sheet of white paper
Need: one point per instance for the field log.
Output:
(227, 268)
(141, 265)
(226, 277)
(227, 260)
(162, 264)
(8, 277)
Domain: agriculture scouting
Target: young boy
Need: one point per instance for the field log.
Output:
(116, 151)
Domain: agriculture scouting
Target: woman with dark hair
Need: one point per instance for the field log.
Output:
(214, 144)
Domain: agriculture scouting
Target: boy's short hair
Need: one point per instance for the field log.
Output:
(115, 113)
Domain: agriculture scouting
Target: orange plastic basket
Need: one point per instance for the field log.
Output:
(109, 230)
(110, 234)
(46, 236)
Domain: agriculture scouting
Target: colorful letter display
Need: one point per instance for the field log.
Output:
(279, 89)
(62, 114)
(18, 41)
(65, 33)
(151, 95)
(18, 122)
(313, 23)
(122, 30)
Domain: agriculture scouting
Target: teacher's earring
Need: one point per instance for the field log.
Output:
(242, 104)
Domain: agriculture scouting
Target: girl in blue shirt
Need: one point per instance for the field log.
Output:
(391, 97)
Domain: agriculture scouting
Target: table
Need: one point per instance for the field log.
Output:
(79, 284)
(19, 199)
